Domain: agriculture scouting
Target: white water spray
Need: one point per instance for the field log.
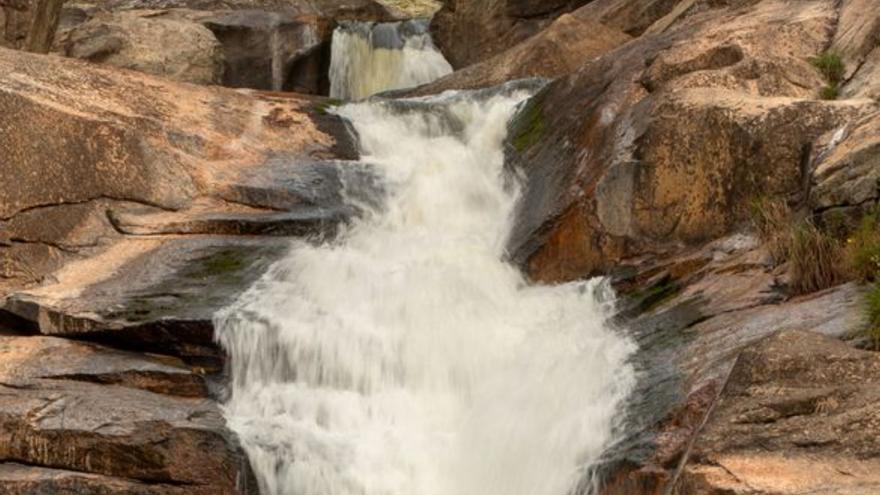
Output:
(368, 58)
(407, 358)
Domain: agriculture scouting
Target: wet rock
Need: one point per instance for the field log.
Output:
(798, 416)
(262, 48)
(146, 41)
(19, 479)
(157, 295)
(143, 441)
(25, 358)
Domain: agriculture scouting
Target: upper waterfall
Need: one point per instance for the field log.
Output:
(369, 58)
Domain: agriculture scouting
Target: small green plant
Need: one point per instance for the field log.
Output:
(861, 255)
(528, 126)
(323, 107)
(833, 69)
(872, 310)
(830, 92)
(830, 65)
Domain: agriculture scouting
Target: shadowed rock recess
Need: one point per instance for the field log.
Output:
(167, 152)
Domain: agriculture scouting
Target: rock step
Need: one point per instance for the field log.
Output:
(142, 442)
(152, 294)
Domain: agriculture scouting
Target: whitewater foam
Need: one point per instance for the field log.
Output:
(406, 357)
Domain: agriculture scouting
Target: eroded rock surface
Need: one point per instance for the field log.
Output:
(798, 415)
(103, 421)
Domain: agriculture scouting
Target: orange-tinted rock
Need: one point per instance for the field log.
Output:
(666, 139)
(470, 31)
(559, 49)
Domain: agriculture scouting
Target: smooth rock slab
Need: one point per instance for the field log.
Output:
(158, 295)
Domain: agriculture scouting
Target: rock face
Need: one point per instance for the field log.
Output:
(156, 432)
(733, 116)
(641, 165)
(798, 416)
(143, 41)
(149, 205)
(556, 51)
(282, 44)
(469, 31)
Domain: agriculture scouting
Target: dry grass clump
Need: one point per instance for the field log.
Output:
(861, 254)
(813, 256)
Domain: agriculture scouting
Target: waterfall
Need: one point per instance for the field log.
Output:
(368, 58)
(407, 357)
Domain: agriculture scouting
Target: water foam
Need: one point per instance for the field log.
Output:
(407, 358)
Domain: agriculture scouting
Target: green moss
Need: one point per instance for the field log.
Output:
(654, 296)
(323, 107)
(528, 126)
(223, 263)
(831, 66)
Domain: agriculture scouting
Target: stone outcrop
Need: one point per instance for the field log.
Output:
(103, 421)
(469, 31)
(143, 41)
(141, 207)
(642, 164)
(798, 415)
(556, 51)
(278, 45)
(733, 116)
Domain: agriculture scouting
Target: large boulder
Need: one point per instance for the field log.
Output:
(141, 207)
(147, 42)
(732, 115)
(558, 50)
(846, 173)
(470, 31)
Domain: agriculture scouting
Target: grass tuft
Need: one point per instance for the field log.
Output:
(814, 259)
(812, 255)
(830, 65)
(772, 220)
(872, 309)
(830, 92)
(861, 254)
(833, 69)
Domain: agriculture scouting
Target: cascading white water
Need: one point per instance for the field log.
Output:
(368, 58)
(406, 358)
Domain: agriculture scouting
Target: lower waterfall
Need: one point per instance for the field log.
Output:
(407, 357)
(368, 58)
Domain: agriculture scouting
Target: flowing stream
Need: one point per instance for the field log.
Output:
(406, 357)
